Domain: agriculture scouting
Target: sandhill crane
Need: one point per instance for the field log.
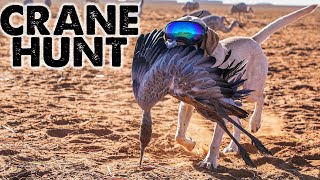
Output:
(94, 1)
(48, 3)
(187, 74)
(241, 8)
(190, 6)
(217, 23)
(140, 7)
(199, 14)
(27, 2)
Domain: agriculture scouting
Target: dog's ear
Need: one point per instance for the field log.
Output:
(210, 42)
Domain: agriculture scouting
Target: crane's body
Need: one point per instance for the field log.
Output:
(189, 75)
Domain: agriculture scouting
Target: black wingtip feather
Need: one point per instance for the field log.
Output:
(245, 156)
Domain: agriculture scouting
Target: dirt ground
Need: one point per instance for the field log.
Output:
(84, 124)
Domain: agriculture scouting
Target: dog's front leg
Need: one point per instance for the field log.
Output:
(232, 147)
(210, 161)
(255, 120)
(184, 116)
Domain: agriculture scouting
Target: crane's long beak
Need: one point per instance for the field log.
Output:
(141, 155)
(145, 133)
(241, 26)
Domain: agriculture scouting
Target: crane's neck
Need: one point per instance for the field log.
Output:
(232, 25)
(141, 3)
(145, 132)
(145, 129)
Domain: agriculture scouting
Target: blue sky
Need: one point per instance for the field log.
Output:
(276, 2)
(287, 2)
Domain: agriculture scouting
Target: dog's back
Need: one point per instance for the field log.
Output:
(249, 47)
(242, 46)
(282, 22)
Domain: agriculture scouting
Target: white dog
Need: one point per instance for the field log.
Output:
(247, 48)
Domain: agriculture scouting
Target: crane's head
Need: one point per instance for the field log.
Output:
(225, 19)
(149, 101)
(250, 9)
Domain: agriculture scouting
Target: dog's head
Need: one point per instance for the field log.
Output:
(211, 39)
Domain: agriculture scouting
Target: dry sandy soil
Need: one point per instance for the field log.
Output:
(85, 123)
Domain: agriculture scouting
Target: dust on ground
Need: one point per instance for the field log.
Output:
(85, 123)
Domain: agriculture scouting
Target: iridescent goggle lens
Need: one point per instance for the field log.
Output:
(185, 31)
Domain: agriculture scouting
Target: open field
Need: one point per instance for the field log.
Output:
(85, 123)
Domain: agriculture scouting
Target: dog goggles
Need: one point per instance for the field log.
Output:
(187, 32)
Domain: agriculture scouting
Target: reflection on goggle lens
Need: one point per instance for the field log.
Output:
(185, 31)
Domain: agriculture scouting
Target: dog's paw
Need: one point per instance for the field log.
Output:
(188, 143)
(207, 164)
(254, 126)
(231, 148)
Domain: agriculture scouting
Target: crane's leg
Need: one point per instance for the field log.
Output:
(184, 116)
(210, 161)
(232, 147)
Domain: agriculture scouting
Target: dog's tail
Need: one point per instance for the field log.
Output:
(278, 24)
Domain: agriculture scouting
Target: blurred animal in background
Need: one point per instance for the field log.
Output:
(190, 6)
(199, 14)
(94, 1)
(27, 2)
(140, 7)
(48, 3)
(248, 48)
(241, 8)
(217, 23)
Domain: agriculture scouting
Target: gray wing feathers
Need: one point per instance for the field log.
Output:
(183, 71)
(147, 50)
(186, 73)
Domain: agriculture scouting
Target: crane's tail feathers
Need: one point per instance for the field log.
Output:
(241, 94)
(218, 119)
(256, 141)
(236, 111)
(278, 24)
(244, 154)
(233, 74)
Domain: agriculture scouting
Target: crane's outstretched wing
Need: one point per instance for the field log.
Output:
(194, 79)
(148, 49)
(186, 72)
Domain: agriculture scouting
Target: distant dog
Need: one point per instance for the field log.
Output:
(247, 48)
